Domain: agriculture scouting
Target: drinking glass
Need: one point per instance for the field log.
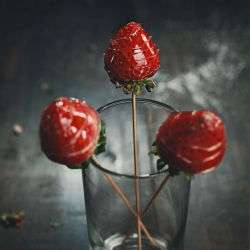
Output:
(109, 185)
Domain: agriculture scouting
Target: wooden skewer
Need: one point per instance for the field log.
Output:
(96, 162)
(120, 194)
(136, 171)
(155, 195)
(148, 206)
(129, 207)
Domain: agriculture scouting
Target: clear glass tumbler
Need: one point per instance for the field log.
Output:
(109, 187)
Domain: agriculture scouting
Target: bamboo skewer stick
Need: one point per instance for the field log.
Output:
(96, 162)
(129, 207)
(155, 195)
(136, 171)
(120, 194)
(147, 207)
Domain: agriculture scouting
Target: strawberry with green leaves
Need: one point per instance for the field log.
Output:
(69, 131)
(192, 141)
(131, 58)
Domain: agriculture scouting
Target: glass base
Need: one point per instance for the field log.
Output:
(114, 243)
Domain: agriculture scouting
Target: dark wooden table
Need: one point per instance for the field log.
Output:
(54, 48)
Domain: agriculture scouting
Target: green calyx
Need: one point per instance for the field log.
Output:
(134, 86)
(153, 150)
(101, 147)
(101, 144)
(189, 177)
(160, 164)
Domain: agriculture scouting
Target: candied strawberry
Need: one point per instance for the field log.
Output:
(131, 55)
(69, 131)
(192, 142)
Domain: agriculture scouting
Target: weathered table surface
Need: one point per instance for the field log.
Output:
(54, 48)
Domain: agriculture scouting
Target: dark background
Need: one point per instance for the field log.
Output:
(54, 48)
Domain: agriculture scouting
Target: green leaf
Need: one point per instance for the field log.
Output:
(150, 83)
(153, 150)
(148, 88)
(128, 88)
(101, 145)
(160, 164)
(100, 149)
(137, 89)
(189, 177)
(86, 163)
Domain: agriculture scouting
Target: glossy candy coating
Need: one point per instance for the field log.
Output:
(69, 131)
(192, 142)
(131, 55)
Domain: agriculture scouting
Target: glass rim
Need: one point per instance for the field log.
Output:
(138, 100)
(130, 176)
(124, 101)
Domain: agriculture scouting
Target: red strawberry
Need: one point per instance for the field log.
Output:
(131, 55)
(69, 131)
(192, 142)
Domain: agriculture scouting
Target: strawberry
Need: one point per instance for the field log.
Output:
(69, 131)
(131, 58)
(192, 142)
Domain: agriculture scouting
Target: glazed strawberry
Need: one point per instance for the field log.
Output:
(69, 131)
(192, 142)
(131, 56)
